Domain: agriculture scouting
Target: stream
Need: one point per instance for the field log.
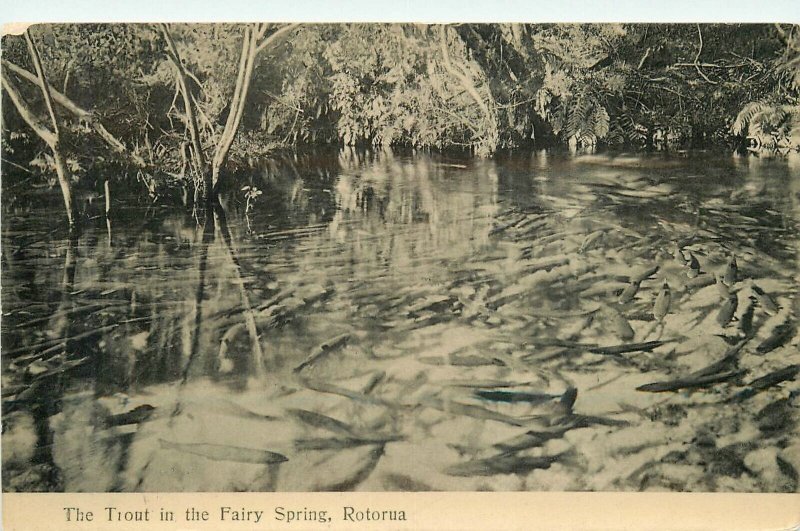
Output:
(384, 321)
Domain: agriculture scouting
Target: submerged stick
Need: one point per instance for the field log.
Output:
(107, 191)
(323, 350)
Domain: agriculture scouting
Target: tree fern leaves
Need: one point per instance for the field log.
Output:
(582, 118)
(745, 117)
(624, 130)
(759, 118)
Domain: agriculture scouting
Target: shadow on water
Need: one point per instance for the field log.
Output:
(382, 321)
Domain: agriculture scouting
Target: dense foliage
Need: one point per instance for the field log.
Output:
(480, 87)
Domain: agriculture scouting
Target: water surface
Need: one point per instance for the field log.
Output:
(412, 322)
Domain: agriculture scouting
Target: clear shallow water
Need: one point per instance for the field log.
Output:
(386, 322)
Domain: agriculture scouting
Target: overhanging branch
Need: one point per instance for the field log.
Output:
(80, 113)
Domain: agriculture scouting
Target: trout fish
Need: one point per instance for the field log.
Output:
(220, 452)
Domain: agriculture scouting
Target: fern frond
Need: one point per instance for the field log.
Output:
(578, 115)
(746, 116)
(623, 128)
(601, 121)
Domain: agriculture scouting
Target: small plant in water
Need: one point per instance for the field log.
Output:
(250, 195)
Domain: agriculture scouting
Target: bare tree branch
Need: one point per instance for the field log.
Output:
(191, 119)
(275, 36)
(25, 111)
(81, 114)
(51, 137)
(697, 57)
(42, 82)
(644, 58)
(246, 65)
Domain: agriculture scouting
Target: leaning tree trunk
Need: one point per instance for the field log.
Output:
(250, 49)
(188, 104)
(80, 113)
(246, 65)
(252, 44)
(64, 176)
(51, 137)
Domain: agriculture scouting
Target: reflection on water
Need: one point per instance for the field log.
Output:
(380, 322)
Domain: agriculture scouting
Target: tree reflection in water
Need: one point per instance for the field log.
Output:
(416, 322)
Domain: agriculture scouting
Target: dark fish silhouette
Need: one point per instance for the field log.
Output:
(469, 410)
(567, 400)
(746, 321)
(629, 347)
(694, 266)
(220, 452)
(690, 382)
(766, 302)
(780, 335)
(318, 420)
(135, 416)
(630, 292)
(680, 258)
(404, 483)
(644, 275)
(563, 406)
(728, 361)
(534, 438)
(322, 350)
(620, 326)
(700, 281)
(502, 464)
(731, 271)
(228, 408)
(718, 372)
(320, 443)
(774, 378)
(514, 396)
(591, 240)
(727, 310)
(358, 476)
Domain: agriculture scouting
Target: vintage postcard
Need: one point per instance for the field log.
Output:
(460, 275)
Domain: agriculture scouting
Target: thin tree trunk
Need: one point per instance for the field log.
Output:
(246, 65)
(81, 114)
(64, 176)
(107, 190)
(50, 137)
(250, 50)
(188, 104)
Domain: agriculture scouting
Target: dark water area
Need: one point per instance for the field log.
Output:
(376, 321)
